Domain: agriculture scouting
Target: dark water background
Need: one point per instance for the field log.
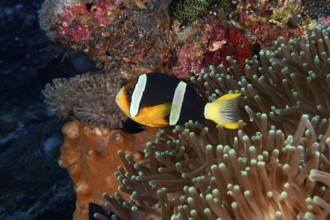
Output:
(32, 185)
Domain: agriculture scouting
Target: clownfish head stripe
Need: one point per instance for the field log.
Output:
(177, 103)
(137, 95)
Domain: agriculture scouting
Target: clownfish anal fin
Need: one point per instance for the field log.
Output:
(154, 116)
(223, 111)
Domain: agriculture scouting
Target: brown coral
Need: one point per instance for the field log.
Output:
(91, 159)
(89, 98)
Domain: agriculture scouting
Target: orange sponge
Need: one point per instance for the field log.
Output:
(91, 159)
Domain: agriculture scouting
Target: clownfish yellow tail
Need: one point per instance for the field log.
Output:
(223, 111)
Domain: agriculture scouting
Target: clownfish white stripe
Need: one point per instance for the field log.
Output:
(177, 102)
(137, 95)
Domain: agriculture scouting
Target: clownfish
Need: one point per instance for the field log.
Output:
(159, 100)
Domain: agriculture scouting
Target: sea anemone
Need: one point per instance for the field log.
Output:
(264, 176)
(277, 166)
(207, 173)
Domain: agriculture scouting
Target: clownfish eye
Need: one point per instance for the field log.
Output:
(129, 93)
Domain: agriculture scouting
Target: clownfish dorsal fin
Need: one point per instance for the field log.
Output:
(223, 111)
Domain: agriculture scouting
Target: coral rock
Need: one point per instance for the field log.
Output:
(91, 159)
(116, 34)
(265, 21)
(209, 42)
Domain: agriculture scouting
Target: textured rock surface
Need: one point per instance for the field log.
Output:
(91, 159)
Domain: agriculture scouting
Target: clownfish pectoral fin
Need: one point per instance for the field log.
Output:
(154, 116)
(223, 111)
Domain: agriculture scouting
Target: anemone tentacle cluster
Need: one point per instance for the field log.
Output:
(208, 173)
(275, 167)
(265, 176)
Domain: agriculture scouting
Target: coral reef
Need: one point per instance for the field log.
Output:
(131, 37)
(89, 98)
(265, 21)
(90, 157)
(190, 10)
(140, 36)
(209, 42)
(124, 38)
(275, 167)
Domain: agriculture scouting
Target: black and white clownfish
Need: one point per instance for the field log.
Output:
(159, 100)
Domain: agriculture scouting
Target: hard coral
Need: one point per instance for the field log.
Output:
(234, 44)
(90, 157)
(131, 38)
(49, 14)
(75, 18)
(209, 43)
(265, 21)
(79, 21)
